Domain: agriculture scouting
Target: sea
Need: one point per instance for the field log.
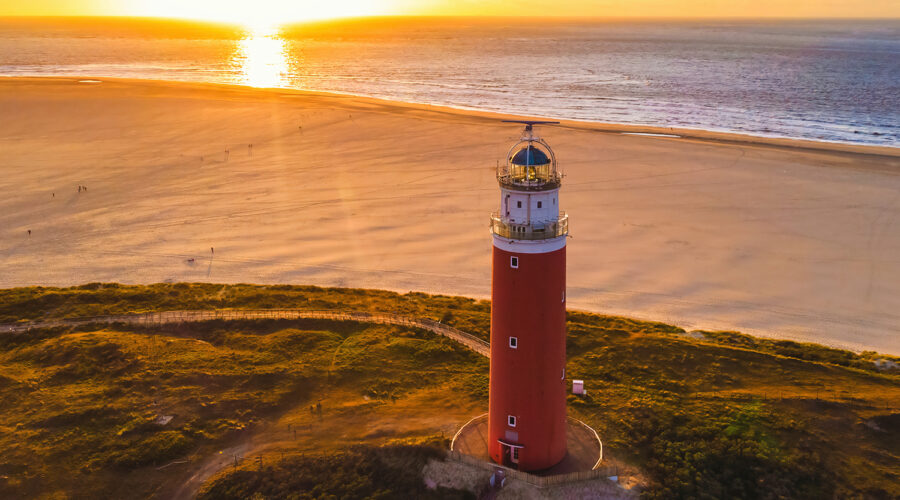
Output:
(822, 80)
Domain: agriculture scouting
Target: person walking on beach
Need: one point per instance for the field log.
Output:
(226, 154)
(212, 250)
(250, 149)
(29, 232)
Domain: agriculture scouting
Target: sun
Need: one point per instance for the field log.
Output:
(262, 14)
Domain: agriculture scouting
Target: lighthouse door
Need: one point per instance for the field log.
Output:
(509, 454)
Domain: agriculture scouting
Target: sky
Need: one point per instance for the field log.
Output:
(277, 11)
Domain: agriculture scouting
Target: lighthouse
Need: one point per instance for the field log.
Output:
(527, 405)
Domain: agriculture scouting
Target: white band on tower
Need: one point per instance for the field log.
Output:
(529, 246)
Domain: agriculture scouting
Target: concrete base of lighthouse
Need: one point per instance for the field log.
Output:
(584, 448)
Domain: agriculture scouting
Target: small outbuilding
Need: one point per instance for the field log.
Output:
(578, 387)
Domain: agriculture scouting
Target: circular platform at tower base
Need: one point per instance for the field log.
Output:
(584, 451)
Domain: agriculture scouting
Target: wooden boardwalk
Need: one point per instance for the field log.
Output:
(188, 316)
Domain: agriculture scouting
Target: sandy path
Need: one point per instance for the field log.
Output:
(210, 466)
(341, 191)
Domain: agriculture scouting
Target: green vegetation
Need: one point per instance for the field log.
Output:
(807, 351)
(715, 414)
(80, 406)
(704, 419)
(95, 299)
(360, 472)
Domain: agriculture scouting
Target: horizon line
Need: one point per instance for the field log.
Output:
(467, 17)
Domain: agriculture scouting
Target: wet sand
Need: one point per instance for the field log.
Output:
(778, 238)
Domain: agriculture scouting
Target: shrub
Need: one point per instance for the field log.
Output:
(361, 472)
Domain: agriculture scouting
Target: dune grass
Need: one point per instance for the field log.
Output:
(715, 414)
(80, 407)
(392, 471)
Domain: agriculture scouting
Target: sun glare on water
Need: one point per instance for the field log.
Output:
(261, 58)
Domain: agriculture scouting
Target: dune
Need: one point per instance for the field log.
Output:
(773, 237)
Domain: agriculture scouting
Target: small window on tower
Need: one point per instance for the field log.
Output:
(539, 204)
(511, 420)
(514, 342)
(519, 204)
(514, 262)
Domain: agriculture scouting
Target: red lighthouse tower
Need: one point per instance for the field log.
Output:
(527, 407)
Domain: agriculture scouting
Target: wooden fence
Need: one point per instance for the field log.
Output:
(176, 317)
(539, 481)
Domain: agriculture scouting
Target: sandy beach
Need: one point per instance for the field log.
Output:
(777, 238)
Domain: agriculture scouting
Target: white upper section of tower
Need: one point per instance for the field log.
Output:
(525, 207)
(529, 193)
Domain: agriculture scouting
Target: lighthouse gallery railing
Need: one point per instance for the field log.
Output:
(533, 231)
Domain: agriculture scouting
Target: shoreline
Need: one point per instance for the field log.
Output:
(883, 361)
(691, 328)
(602, 127)
(691, 335)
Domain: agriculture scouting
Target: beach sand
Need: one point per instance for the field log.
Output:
(777, 238)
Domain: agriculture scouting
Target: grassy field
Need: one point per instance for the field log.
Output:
(706, 414)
